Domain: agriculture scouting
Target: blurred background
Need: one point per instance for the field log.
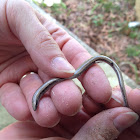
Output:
(110, 27)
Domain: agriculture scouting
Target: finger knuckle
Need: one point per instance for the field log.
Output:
(45, 41)
(61, 37)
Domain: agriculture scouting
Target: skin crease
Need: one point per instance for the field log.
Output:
(29, 42)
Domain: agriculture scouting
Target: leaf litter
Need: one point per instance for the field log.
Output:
(103, 25)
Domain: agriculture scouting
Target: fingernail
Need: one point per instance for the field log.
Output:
(125, 120)
(26, 75)
(62, 64)
(117, 100)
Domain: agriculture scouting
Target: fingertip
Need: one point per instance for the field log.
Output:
(62, 65)
(134, 100)
(117, 97)
(90, 106)
(125, 120)
(19, 111)
(13, 100)
(47, 115)
(97, 85)
(67, 98)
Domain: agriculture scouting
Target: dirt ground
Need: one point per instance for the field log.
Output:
(103, 25)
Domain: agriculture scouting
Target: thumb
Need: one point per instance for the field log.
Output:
(42, 48)
(107, 125)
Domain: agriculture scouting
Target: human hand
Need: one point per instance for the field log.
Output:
(28, 46)
(117, 123)
(31, 43)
